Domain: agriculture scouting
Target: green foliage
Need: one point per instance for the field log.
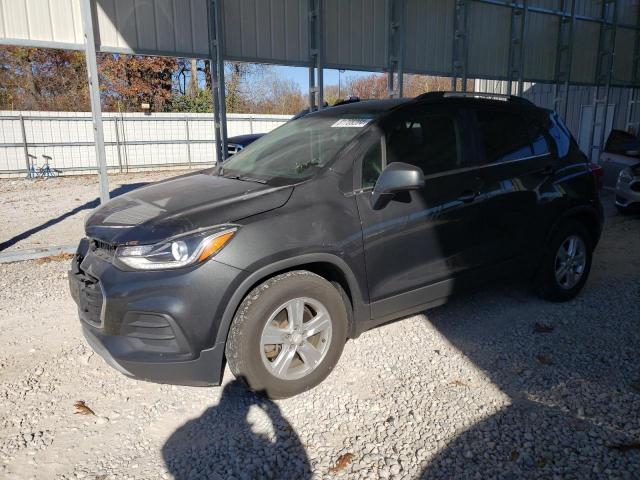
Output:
(199, 103)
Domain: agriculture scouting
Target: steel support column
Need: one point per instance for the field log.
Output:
(604, 72)
(316, 47)
(394, 47)
(564, 57)
(460, 46)
(216, 68)
(633, 122)
(517, 33)
(94, 95)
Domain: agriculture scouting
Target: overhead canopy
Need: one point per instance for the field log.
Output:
(589, 42)
(355, 34)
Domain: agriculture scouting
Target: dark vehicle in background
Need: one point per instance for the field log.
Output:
(237, 143)
(621, 162)
(330, 225)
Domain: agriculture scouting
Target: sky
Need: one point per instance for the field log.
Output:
(301, 76)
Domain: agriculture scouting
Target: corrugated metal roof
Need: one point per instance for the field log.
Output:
(178, 27)
(271, 31)
(429, 35)
(355, 32)
(41, 21)
(489, 34)
(541, 42)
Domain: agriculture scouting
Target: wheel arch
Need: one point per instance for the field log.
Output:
(328, 266)
(587, 216)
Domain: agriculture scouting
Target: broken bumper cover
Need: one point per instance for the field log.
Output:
(160, 326)
(200, 372)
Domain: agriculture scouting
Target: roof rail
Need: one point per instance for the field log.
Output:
(483, 95)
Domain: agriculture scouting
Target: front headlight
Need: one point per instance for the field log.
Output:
(178, 252)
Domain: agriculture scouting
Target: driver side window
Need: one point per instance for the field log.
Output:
(372, 164)
(431, 141)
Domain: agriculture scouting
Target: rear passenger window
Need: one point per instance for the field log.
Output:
(503, 134)
(539, 143)
(560, 134)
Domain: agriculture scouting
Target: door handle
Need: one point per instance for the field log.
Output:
(467, 196)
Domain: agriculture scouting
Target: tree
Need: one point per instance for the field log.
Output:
(279, 96)
(371, 86)
(126, 81)
(42, 79)
(200, 102)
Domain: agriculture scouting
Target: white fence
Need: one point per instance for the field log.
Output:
(132, 140)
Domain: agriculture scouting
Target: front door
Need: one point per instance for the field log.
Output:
(418, 243)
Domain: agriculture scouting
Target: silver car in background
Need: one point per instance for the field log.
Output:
(621, 163)
(628, 189)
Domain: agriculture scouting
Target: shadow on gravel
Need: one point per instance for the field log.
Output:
(223, 443)
(121, 190)
(575, 406)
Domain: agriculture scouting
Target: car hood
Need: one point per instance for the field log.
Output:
(153, 213)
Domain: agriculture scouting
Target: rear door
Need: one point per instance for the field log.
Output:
(421, 239)
(515, 160)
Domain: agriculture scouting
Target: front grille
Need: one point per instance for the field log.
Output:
(102, 249)
(90, 300)
(233, 148)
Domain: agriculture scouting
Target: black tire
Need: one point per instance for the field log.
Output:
(243, 349)
(546, 283)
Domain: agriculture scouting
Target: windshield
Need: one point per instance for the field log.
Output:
(297, 149)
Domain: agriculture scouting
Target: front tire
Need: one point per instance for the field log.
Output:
(287, 334)
(566, 263)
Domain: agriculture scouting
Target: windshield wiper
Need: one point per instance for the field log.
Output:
(244, 178)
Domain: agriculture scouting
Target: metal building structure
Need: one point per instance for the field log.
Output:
(513, 41)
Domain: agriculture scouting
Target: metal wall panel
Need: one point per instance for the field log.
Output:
(622, 66)
(583, 65)
(628, 12)
(354, 33)
(276, 31)
(540, 46)
(177, 27)
(488, 34)
(270, 31)
(41, 22)
(429, 35)
(590, 8)
(547, 4)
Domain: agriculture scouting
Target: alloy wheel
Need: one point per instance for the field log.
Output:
(296, 338)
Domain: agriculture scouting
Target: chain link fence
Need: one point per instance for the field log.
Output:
(133, 141)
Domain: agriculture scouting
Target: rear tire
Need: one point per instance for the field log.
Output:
(566, 263)
(287, 334)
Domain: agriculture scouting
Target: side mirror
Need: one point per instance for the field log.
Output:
(397, 177)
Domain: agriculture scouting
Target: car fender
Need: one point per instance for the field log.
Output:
(360, 308)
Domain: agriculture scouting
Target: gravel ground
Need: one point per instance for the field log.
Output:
(47, 212)
(468, 390)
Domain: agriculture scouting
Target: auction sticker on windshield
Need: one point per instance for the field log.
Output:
(351, 123)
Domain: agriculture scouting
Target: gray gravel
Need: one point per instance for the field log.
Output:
(51, 212)
(469, 390)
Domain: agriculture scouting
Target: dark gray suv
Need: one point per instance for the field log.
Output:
(328, 226)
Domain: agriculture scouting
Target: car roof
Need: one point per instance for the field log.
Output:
(431, 98)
